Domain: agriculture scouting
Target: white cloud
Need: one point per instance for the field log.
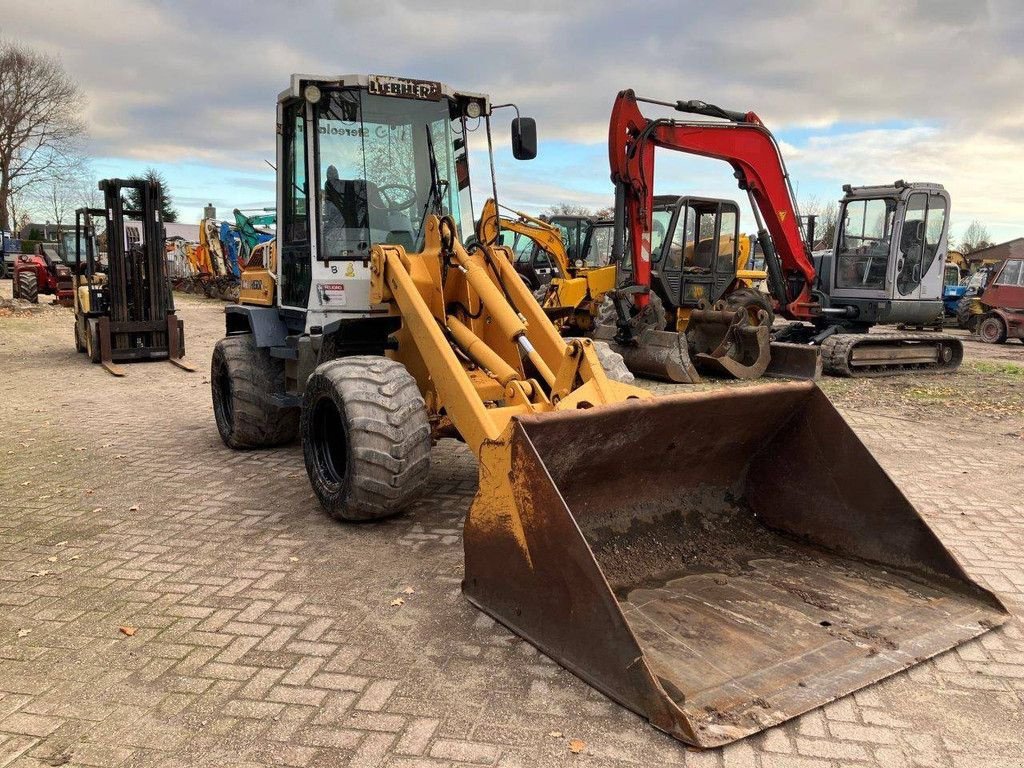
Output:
(197, 81)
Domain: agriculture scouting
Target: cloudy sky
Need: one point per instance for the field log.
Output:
(858, 92)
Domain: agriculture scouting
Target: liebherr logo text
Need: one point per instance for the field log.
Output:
(408, 89)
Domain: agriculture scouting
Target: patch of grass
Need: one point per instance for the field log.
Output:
(1007, 369)
(931, 395)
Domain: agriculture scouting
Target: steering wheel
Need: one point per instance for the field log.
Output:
(391, 205)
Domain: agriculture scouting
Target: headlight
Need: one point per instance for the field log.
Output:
(473, 109)
(312, 94)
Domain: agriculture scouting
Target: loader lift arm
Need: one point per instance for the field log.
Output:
(749, 147)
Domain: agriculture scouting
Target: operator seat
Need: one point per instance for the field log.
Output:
(350, 202)
(912, 252)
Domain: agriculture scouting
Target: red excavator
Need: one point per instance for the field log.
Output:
(891, 236)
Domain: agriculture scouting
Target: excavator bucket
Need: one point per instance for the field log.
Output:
(726, 343)
(655, 354)
(717, 562)
(794, 361)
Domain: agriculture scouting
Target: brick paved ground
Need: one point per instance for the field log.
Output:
(265, 633)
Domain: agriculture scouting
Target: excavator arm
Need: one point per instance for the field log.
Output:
(543, 233)
(749, 147)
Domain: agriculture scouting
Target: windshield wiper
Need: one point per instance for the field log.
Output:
(435, 199)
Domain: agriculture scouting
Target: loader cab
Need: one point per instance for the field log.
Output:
(695, 245)
(364, 160)
(889, 254)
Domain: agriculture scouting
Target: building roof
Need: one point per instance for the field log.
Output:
(1001, 251)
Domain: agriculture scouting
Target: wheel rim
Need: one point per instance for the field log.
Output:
(989, 330)
(225, 406)
(329, 443)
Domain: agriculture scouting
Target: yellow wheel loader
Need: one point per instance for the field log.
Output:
(717, 562)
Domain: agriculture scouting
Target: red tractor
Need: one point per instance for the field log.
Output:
(43, 272)
(997, 312)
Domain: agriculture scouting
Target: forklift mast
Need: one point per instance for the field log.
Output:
(137, 271)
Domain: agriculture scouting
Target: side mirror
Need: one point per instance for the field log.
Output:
(524, 138)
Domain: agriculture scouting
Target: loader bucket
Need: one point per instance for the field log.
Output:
(661, 355)
(717, 562)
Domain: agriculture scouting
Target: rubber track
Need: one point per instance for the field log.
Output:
(837, 349)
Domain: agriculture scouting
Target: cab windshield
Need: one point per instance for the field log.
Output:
(864, 241)
(384, 164)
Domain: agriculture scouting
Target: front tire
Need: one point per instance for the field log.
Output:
(992, 330)
(365, 437)
(244, 380)
(92, 340)
(751, 300)
(28, 286)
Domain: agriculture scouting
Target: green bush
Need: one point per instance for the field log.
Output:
(29, 246)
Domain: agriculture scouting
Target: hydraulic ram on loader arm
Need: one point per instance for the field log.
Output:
(717, 562)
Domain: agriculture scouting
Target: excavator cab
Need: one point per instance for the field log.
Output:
(695, 262)
(889, 255)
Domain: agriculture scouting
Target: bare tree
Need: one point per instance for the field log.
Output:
(39, 123)
(826, 215)
(567, 209)
(975, 237)
(56, 197)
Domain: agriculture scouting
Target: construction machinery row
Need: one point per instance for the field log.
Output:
(717, 562)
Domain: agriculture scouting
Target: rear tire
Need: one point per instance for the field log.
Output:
(964, 317)
(79, 342)
(28, 286)
(750, 300)
(365, 437)
(992, 329)
(243, 381)
(653, 316)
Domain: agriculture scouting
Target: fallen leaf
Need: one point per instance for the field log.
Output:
(98, 509)
(60, 544)
(27, 482)
(24, 632)
(52, 559)
(398, 601)
(576, 746)
(74, 557)
(41, 573)
(293, 559)
(88, 491)
(555, 734)
(408, 591)
(128, 631)
(120, 456)
(133, 508)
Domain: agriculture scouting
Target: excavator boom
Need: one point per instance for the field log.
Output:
(749, 148)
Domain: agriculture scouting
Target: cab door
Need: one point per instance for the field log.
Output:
(919, 257)
(293, 232)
